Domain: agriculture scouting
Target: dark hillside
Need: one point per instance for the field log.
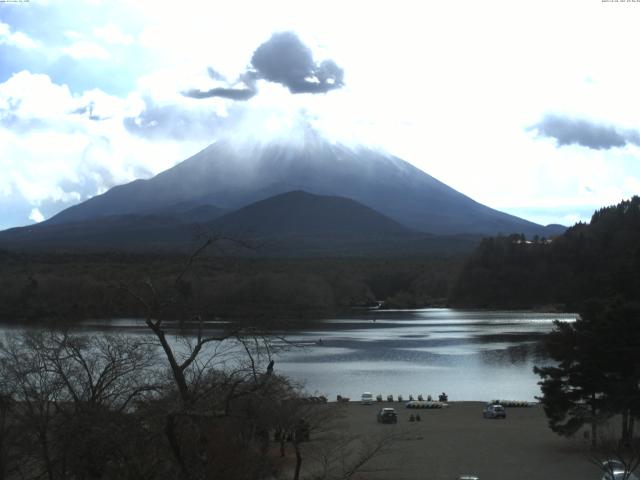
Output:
(302, 213)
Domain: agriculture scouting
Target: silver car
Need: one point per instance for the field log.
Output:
(494, 411)
(616, 470)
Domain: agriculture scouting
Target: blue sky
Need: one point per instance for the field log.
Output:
(528, 107)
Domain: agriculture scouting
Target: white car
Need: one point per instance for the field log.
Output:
(367, 399)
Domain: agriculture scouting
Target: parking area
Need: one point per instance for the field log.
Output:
(458, 440)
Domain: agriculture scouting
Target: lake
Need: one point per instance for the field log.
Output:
(469, 354)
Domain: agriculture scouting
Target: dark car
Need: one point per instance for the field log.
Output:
(494, 411)
(387, 415)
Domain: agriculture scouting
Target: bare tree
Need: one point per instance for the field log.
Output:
(154, 304)
(100, 372)
(71, 398)
(37, 393)
(8, 434)
(222, 377)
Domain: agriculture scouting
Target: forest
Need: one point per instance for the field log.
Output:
(598, 260)
(67, 287)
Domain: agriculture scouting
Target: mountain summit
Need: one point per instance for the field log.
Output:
(231, 175)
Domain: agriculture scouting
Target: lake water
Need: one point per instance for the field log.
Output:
(470, 355)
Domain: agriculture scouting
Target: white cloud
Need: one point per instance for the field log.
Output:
(67, 155)
(34, 96)
(450, 93)
(73, 35)
(16, 39)
(165, 84)
(110, 33)
(36, 215)
(84, 49)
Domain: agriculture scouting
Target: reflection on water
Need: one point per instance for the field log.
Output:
(472, 355)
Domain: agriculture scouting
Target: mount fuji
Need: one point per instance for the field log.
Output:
(211, 187)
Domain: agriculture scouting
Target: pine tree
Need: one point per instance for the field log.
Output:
(598, 370)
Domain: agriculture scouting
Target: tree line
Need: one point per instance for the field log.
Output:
(57, 287)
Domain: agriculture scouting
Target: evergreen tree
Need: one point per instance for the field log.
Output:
(572, 391)
(598, 370)
(619, 333)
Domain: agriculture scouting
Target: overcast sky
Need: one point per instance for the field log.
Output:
(532, 108)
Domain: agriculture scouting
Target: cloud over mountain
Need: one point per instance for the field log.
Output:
(573, 131)
(58, 148)
(282, 59)
(230, 93)
(157, 121)
(286, 60)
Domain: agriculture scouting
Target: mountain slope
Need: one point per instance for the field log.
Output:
(190, 211)
(111, 232)
(232, 176)
(294, 224)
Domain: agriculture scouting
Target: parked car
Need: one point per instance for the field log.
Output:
(615, 470)
(468, 477)
(387, 415)
(494, 411)
(367, 398)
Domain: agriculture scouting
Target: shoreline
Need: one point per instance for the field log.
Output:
(449, 403)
